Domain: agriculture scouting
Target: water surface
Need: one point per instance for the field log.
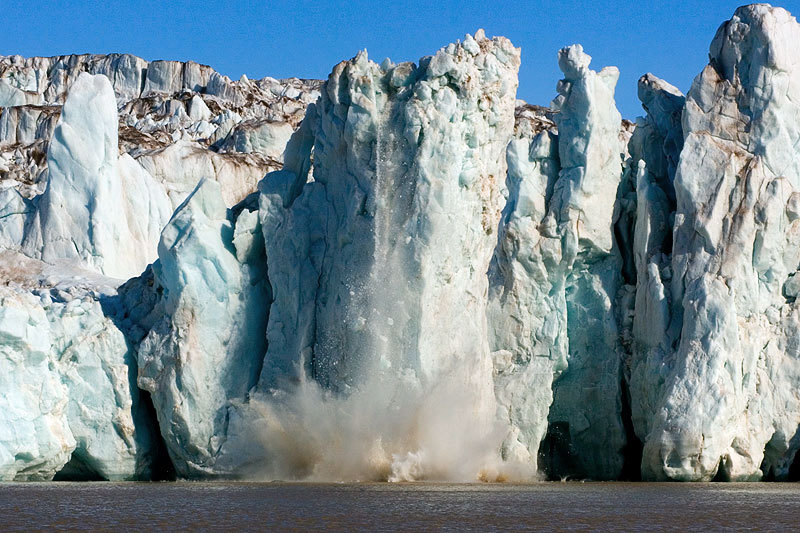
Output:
(417, 506)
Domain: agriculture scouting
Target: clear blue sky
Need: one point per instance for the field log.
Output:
(301, 38)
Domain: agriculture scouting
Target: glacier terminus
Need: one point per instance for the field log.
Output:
(402, 272)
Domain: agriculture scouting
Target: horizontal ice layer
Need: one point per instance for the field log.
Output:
(38, 80)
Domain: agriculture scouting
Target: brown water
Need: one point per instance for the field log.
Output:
(381, 507)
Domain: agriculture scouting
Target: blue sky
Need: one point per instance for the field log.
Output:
(280, 38)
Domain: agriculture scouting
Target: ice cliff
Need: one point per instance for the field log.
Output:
(556, 274)
(724, 402)
(69, 399)
(394, 240)
(403, 272)
(95, 154)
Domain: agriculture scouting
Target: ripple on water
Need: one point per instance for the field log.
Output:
(476, 507)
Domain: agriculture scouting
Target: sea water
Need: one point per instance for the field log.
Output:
(400, 506)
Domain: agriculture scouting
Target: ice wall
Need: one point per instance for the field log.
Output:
(379, 264)
(555, 278)
(440, 283)
(179, 122)
(727, 406)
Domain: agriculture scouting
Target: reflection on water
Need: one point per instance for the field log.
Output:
(370, 507)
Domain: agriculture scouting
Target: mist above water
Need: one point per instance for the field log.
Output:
(394, 427)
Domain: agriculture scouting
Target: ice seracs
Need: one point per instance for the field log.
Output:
(654, 148)
(555, 277)
(93, 211)
(159, 104)
(58, 150)
(76, 193)
(206, 346)
(727, 406)
(417, 276)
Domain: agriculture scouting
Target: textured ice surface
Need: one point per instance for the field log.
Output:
(654, 148)
(727, 404)
(35, 440)
(69, 379)
(440, 283)
(68, 198)
(212, 118)
(379, 264)
(206, 348)
(556, 274)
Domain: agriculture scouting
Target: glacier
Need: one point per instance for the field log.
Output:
(556, 262)
(725, 406)
(403, 272)
(70, 400)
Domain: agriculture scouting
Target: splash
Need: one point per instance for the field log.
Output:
(394, 427)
